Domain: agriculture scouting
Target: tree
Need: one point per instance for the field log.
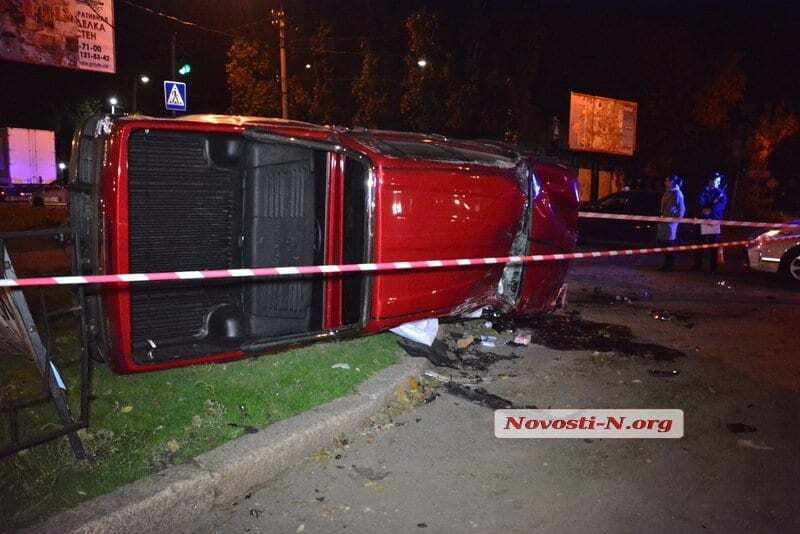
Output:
(784, 166)
(253, 83)
(371, 92)
(720, 95)
(771, 180)
(321, 102)
(778, 121)
(425, 86)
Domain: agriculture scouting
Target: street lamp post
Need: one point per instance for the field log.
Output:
(113, 101)
(143, 79)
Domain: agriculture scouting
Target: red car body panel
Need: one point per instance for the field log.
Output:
(440, 214)
(421, 210)
(554, 230)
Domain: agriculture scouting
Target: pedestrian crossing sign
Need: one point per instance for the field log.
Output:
(175, 96)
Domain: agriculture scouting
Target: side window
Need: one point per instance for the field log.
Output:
(615, 203)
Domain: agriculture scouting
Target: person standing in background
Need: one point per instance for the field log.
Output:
(712, 203)
(672, 205)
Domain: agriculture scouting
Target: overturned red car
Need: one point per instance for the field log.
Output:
(222, 192)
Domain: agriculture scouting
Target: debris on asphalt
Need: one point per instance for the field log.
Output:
(342, 365)
(462, 380)
(423, 331)
(437, 353)
(570, 332)
(740, 428)
(465, 342)
(749, 444)
(660, 373)
(475, 314)
(440, 355)
(481, 361)
(478, 396)
(321, 456)
(521, 340)
(489, 341)
(255, 512)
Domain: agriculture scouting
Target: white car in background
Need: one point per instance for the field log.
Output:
(777, 251)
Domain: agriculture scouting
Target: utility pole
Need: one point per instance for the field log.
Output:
(133, 96)
(284, 82)
(172, 71)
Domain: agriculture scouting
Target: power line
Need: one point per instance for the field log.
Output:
(180, 21)
(104, 19)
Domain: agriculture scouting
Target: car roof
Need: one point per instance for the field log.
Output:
(387, 143)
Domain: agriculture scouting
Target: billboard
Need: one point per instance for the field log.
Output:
(76, 34)
(599, 124)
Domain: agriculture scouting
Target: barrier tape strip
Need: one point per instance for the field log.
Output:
(273, 272)
(689, 220)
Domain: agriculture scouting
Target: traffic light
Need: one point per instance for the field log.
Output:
(185, 69)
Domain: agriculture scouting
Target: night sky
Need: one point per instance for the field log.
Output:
(592, 47)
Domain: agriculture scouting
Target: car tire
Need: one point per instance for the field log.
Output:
(790, 266)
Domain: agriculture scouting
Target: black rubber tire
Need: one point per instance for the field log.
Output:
(790, 266)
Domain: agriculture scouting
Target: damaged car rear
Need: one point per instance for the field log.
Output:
(223, 192)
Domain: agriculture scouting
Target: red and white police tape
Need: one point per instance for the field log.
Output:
(688, 220)
(274, 272)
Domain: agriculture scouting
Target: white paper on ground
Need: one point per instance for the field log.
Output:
(475, 314)
(423, 331)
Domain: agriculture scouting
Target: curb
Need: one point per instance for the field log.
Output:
(171, 500)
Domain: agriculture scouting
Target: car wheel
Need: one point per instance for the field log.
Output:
(790, 265)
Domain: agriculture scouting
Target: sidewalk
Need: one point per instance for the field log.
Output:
(172, 499)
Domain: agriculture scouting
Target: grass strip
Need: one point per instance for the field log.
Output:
(143, 423)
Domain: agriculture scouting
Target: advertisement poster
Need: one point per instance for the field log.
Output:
(75, 34)
(599, 124)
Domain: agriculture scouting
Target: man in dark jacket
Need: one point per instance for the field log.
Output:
(712, 203)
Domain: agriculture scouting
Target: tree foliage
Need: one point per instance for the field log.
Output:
(252, 81)
(371, 92)
(321, 105)
(425, 87)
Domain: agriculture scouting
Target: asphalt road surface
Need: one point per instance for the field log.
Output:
(439, 468)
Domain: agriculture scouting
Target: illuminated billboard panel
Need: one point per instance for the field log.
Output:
(599, 124)
(76, 34)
